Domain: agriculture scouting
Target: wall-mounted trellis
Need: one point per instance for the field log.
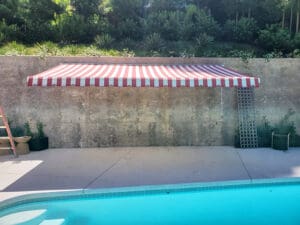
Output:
(247, 122)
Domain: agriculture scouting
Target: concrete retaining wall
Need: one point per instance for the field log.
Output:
(93, 117)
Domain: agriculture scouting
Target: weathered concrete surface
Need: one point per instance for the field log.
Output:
(80, 169)
(93, 117)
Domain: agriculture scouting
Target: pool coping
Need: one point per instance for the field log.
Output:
(142, 190)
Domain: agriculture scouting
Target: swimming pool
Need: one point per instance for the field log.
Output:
(257, 202)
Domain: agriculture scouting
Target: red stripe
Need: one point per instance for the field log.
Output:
(40, 81)
(97, 82)
(256, 82)
(77, 81)
(68, 81)
(125, 76)
(205, 82)
(133, 78)
(213, 82)
(106, 82)
(87, 81)
(49, 81)
(222, 82)
(58, 81)
(240, 82)
(248, 83)
(231, 82)
(30, 81)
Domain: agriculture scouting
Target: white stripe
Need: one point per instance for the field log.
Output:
(192, 83)
(64, 82)
(92, 81)
(244, 82)
(235, 82)
(82, 82)
(156, 82)
(129, 78)
(227, 82)
(174, 83)
(34, 80)
(209, 82)
(44, 82)
(101, 82)
(120, 79)
(138, 77)
(200, 81)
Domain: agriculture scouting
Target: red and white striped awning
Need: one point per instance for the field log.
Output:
(128, 75)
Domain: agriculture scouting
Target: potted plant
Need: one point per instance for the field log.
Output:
(282, 132)
(38, 141)
(21, 139)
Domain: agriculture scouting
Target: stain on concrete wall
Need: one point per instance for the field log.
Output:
(94, 117)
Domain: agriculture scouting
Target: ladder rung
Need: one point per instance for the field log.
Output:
(5, 148)
(2, 127)
(4, 138)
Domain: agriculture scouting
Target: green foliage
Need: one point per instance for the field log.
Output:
(27, 130)
(71, 28)
(196, 21)
(104, 41)
(265, 129)
(17, 131)
(203, 41)
(154, 42)
(243, 54)
(285, 125)
(245, 30)
(264, 132)
(166, 23)
(40, 130)
(128, 28)
(275, 38)
(130, 22)
(7, 32)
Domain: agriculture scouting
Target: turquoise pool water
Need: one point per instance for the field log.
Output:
(268, 203)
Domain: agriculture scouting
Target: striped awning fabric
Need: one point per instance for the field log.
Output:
(131, 75)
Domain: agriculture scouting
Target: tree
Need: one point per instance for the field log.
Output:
(37, 16)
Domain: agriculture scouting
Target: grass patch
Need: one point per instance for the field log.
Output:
(131, 48)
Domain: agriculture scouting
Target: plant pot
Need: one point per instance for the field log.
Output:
(38, 144)
(23, 139)
(280, 141)
(22, 146)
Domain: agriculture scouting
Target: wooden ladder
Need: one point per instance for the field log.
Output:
(9, 137)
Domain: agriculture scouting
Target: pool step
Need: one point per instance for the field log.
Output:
(53, 222)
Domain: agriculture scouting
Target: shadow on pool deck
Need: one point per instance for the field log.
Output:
(68, 169)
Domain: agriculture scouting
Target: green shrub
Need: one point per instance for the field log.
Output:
(128, 28)
(154, 42)
(196, 22)
(285, 125)
(264, 133)
(274, 38)
(243, 54)
(203, 41)
(8, 32)
(245, 30)
(167, 24)
(103, 41)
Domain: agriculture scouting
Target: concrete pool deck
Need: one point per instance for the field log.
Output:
(78, 169)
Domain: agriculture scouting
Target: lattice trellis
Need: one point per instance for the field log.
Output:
(247, 122)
